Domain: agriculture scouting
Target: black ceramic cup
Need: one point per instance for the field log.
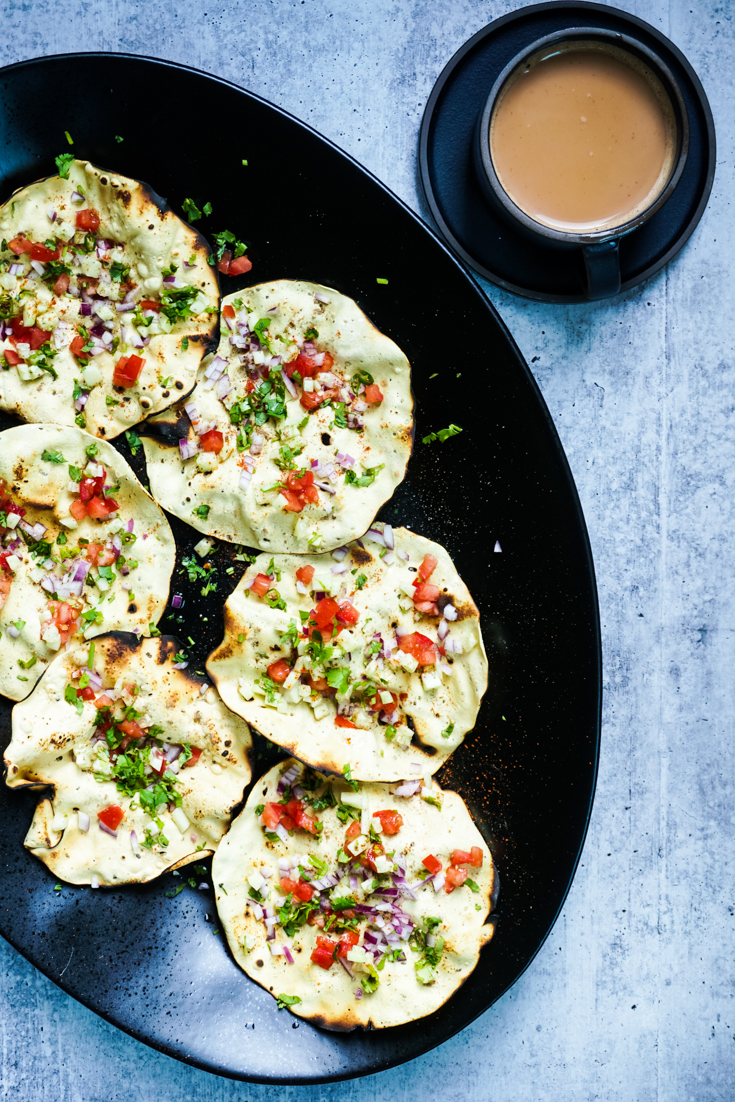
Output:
(598, 248)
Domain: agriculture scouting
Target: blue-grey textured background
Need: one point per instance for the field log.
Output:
(631, 998)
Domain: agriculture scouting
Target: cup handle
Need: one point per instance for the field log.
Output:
(602, 265)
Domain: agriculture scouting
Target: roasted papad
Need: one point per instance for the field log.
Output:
(71, 567)
(394, 943)
(342, 658)
(298, 429)
(107, 301)
(145, 760)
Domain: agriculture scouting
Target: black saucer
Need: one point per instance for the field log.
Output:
(471, 228)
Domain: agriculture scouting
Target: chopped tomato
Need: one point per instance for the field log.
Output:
(64, 619)
(287, 822)
(127, 370)
(88, 487)
(323, 955)
(352, 830)
(294, 503)
(196, 753)
(240, 266)
(324, 613)
(455, 878)
(305, 574)
(87, 693)
(342, 721)
(432, 863)
(307, 366)
(296, 810)
(425, 591)
(12, 357)
(428, 566)
(88, 220)
(279, 671)
(224, 264)
(347, 613)
(299, 888)
(111, 816)
(392, 821)
(28, 334)
(131, 728)
(348, 940)
(20, 245)
(261, 585)
(420, 646)
(150, 304)
(61, 284)
(104, 701)
(212, 441)
(303, 485)
(77, 348)
(311, 400)
(44, 254)
(368, 857)
(271, 816)
(377, 704)
(228, 311)
(99, 555)
(373, 394)
(78, 510)
(463, 857)
(98, 507)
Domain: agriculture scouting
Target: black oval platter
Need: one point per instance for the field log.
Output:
(156, 966)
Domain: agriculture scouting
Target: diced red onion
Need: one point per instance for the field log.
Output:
(287, 954)
(339, 554)
(298, 791)
(374, 534)
(389, 559)
(178, 600)
(95, 881)
(38, 267)
(83, 821)
(288, 778)
(224, 386)
(450, 612)
(244, 480)
(288, 383)
(94, 679)
(319, 297)
(12, 631)
(359, 406)
(103, 826)
(180, 665)
(15, 269)
(130, 525)
(325, 487)
(188, 448)
(497, 546)
(301, 588)
(340, 568)
(81, 571)
(123, 307)
(282, 832)
(443, 630)
(134, 843)
(439, 880)
(388, 536)
(345, 460)
(408, 788)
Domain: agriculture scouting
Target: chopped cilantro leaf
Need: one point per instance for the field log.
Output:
(282, 1001)
(53, 457)
(133, 441)
(64, 161)
(442, 434)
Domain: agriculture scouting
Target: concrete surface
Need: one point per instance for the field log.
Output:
(632, 996)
